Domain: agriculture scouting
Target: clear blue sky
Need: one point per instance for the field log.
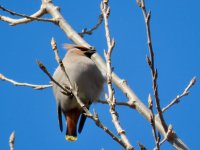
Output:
(32, 114)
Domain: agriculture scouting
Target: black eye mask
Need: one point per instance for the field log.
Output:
(89, 53)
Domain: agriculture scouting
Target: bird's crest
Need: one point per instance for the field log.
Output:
(71, 46)
(83, 50)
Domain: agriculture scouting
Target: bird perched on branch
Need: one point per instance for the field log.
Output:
(84, 74)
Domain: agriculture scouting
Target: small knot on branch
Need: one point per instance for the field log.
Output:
(155, 74)
(12, 140)
(149, 61)
(12, 137)
(53, 44)
(150, 102)
(142, 147)
(122, 82)
(140, 3)
(2, 77)
(105, 1)
(40, 64)
(121, 132)
(169, 133)
(148, 17)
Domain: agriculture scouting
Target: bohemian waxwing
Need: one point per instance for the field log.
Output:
(83, 73)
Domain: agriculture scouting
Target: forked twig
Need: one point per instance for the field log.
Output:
(178, 97)
(155, 134)
(154, 73)
(90, 31)
(44, 69)
(168, 135)
(25, 18)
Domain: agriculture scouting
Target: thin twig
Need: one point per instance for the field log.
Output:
(59, 61)
(25, 18)
(95, 118)
(12, 140)
(156, 138)
(111, 97)
(150, 61)
(44, 69)
(90, 31)
(168, 135)
(178, 97)
(129, 103)
(34, 86)
(142, 147)
(154, 74)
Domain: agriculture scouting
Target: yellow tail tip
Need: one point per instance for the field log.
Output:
(71, 138)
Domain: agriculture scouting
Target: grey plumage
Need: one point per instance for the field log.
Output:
(83, 72)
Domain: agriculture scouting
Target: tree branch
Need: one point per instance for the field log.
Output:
(111, 97)
(150, 61)
(177, 143)
(178, 97)
(26, 18)
(129, 103)
(90, 31)
(123, 86)
(139, 106)
(156, 137)
(34, 86)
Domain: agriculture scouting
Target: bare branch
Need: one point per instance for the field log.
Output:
(111, 97)
(66, 90)
(129, 103)
(34, 86)
(177, 143)
(168, 135)
(123, 86)
(156, 138)
(178, 97)
(150, 61)
(59, 61)
(90, 31)
(12, 140)
(25, 18)
(95, 118)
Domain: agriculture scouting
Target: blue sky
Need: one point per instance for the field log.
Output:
(32, 114)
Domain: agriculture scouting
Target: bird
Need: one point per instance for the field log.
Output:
(83, 73)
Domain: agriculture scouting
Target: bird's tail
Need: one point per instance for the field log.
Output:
(72, 119)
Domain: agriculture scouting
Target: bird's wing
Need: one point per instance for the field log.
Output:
(82, 121)
(59, 112)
